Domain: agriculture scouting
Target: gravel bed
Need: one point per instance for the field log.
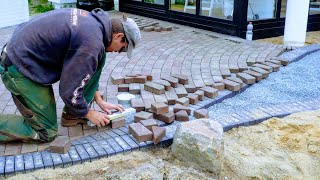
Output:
(299, 81)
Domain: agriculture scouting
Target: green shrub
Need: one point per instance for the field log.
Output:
(180, 1)
(149, 1)
(43, 8)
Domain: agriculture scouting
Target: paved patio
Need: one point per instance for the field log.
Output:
(204, 56)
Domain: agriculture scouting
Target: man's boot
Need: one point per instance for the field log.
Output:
(69, 120)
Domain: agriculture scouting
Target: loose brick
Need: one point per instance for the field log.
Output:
(123, 88)
(154, 88)
(142, 116)
(159, 108)
(117, 79)
(147, 103)
(237, 80)
(193, 98)
(128, 80)
(167, 28)
(274, 62)
(246, 78)
(183, 79)
(165, 83)
(171, 97)
(116, 123)
(264, 73)
(140, 132)
(173, 81)
(283, 61)
(231, 85)
(167, 117)
(161, 98)
(275, 67)
(265, 67)
(201, 113)
(179, 107)
(140, 79)
(138, 104)
(148, 123)
(200, 94)
(134, 88)
(182, 116)
(60, 145)
(157, 29)
(183, 101)
(219, 86)
(148, 29)
(210, 92)
(190, 88)
(181, 92)
(257, 75)
(133, 75)
(158, 134)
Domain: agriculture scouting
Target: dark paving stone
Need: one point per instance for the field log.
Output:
(2, 164)
(89, 139)
(112, 134)
(37, 160)
(66, 158)
(47, 159)
(75, 142)
(91, 151)
(125, 146)
(118, 131)
(130, 142)
(28, 162)
(96, 137)
(99, 149)
(104, 135)
(115, 146)
(141, 144)
(82, 153)
(125, 130)
(107, 147)
(57, 160)
(18, 163)
(9, 168)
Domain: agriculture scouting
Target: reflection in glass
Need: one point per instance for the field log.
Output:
(283, 8)
(217, 8)
(314, 7)
(261, 9)
(188, 6)
(161, 2)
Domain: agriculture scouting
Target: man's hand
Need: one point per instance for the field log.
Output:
(97, 118)
(106, 107)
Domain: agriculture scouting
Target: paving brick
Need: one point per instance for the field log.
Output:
(181, 91)
(117, 123)
(193, 98)
(140, 79)
(9, 167)
(237, 80)
(173, 81)
(138, 104)
(171, 97)
(154, 88)
(75, 131)
(275, 67)
(257, 75)
(148, 29)
(74, 156)
(2, 165)
(201, 113)
(12, 149)
(167, 117)
(28, 162)
(264, 73)
(200, 94)
(231, 85)
(118, 131)
(99, 149)
(91, 151)
(56, 159)
(246, 78)
(142, 116)
(125, 146)
(130, 142)
(167, 28)
(159, 108)
(107, 147)
(210, 92)
(29, 147)
(140, 132)
(179, 107)
(265, 67)
(134, 88)
(219, 86)
(165, 83)
(283, 61)
(158, 134)
(128, 80)
(274, 62)
(157, 29)
(62, 131)
(18, 163)
(117, 79)
(123, 88)
(147, 103)
(37, 160)
(182, 116)
(160, 98)
(190, 88)
(183, 101)
(183, 79)
(60, 145)
(117, 148)
(47, 159)
(148, 123)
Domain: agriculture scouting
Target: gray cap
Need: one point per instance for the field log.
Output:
(132, 34)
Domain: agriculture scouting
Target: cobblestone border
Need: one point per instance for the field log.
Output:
(115, 141)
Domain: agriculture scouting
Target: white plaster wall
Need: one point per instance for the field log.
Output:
(264, 8)
(13, 12)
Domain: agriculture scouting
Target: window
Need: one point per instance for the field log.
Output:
(217, 8)
(283, 8)
(161, 2)
(314, 7)
(187, 6)
(261, 9)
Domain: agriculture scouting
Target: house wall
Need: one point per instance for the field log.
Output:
(13, 12)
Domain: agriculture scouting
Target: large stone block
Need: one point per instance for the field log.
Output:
(200, 144)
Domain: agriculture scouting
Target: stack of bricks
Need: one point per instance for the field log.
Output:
(148, 26)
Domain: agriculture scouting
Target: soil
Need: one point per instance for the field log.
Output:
(287, 148)
(311, 38)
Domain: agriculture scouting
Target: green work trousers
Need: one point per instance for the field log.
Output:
(42, 125)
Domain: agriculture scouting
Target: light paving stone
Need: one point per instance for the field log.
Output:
(193, 98)
(275, 67)
(183, 101)
(154, 88)
(265, 67)
(165, 83)
(183, 79)
(237, 80)
(210, 92)
(200, 94)
(257, 75)
(173, 81)
(142, 116)
(264, 73)
(171, 97)
(246, 78)
(219, 86)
